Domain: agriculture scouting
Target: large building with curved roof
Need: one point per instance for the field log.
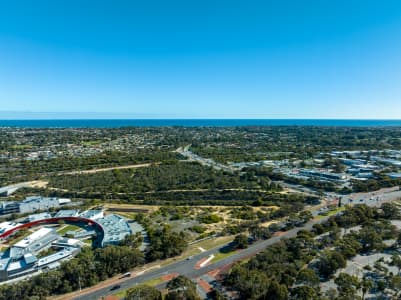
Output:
(21, 258)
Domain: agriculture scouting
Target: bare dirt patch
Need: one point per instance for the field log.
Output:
(108, 169)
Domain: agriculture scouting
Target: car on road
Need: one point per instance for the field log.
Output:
(115, 287)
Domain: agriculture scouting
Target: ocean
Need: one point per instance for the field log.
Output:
(113, 123)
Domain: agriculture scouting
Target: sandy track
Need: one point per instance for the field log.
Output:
(108, 169)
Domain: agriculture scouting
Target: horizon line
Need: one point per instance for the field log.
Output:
(196, 118)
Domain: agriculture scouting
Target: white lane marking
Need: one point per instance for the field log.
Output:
(206, 261)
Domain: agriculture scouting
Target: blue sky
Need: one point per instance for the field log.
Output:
(200, 59)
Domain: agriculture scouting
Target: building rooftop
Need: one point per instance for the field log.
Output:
(30, 258)
(115, 228)
(395, 175)
(16, 252)
(26, 242)
(55, 257)
(37, 199)
(4, 226)
(40, 216)
(64, 201)
(67, 213)
(16, 265)
(68, 242)
(4, 263)
(92, 214)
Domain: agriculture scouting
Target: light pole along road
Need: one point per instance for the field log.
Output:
(187, 267)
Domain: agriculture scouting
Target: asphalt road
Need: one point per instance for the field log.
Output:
(187, 267)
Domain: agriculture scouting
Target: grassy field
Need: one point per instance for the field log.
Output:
(194, 248)
(65, 229)
(21, 147)
(221, 255)
(213, 242)
(152, 282)
(14, 240)
(331, 212)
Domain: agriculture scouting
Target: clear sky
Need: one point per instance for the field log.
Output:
(201, 58)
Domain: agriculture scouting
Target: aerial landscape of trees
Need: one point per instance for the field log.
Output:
(256, 194)
(293, 268)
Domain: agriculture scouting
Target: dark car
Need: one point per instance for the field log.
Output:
(116, 287)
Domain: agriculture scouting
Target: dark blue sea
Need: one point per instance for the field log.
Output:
(111, 123)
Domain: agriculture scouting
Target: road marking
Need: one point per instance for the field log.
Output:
(204, 263)
(146, 270)
(203, 284)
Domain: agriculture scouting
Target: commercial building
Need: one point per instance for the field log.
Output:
(115, 229)
(37, 217)
(35, 242)
(67, 213)
(8, 207)
(55, 257)
(22, 258)
(37, 203)
(387, 161)
(92, 214)
(394, 175)
(5, 226)
(322, 175)
(7, 191)
(32, 204)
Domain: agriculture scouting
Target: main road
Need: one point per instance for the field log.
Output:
(188, 267)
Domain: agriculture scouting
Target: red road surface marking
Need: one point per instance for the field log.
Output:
(205, 285)
(199, 262)
(168, 277)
